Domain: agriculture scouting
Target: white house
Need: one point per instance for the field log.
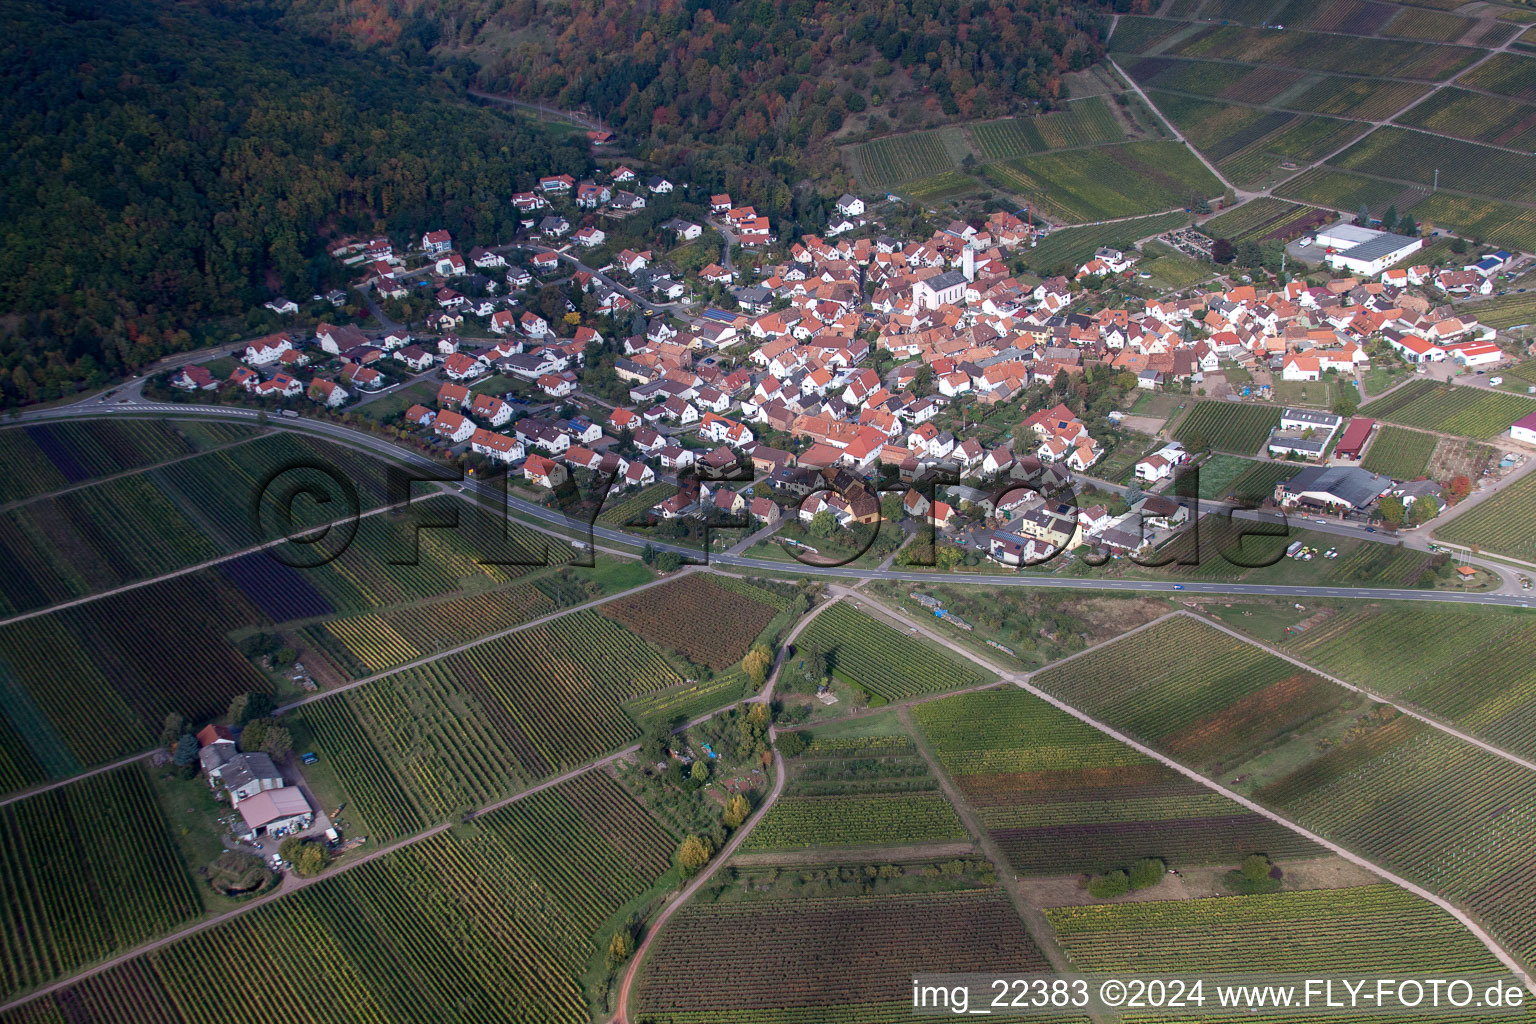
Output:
(1524, 429)
(850, 206)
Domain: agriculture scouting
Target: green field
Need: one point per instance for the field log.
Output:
(1085, 122)
(51, 456)
(1313, 51)
(1069, 248)
(86, 870)
(1113, 181)
(1415, 156)
(1481, 682)
(500, 918)
(1060, 798)
(1227, 426)
(1367, 99)
(1504, 311)
(1253, 219)
(1477, 117)
(1431, 807)
(1251, 480)
(1504, 524)
(1400, 453)
(1362, 929)
(422, 745)
(1508, 74)
(1172, 269)
(1340, 190)
(882, 163)
(1201, 695)
(880, 660)
(1482, 219)
(1450, 408)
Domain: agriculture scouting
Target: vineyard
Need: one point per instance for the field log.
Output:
(1414, 156)
(1507, 74)
(1499, 223)
(426, 743)
(1069, 247)
(883, 163)
(50, 456)
(1433, 808)
(88, 869)
(1114, 181)
(862, 976)
(1311, 51)
(1450, 408)
(701, 620)
(1400, 453)
(830, 821)
(1481, 682)
(1504, 524)
(1060, 797)
(1372, 929)
(1255, 219)
(1086, 122)
(1250, 480)
(1477, 117)
(1506, 311)
(129, 528)
(494, 920)
(1340, 190)
(884, 663)
(91, 683)
(1197, 693)
(1227, 426)
(632, 506)
(1436, 26)
(1137, 35)
(1367, 99)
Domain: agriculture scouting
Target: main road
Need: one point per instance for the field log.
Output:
(383, 448)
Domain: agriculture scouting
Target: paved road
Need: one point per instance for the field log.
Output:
(522, 507)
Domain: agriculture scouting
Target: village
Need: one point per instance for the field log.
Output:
(854, 355)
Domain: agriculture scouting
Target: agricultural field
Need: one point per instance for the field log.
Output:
(1113, 181)
(1061, 798)
(938, 187)
(883, 163)
(1483, 219)
(1477, 117)
(1253, 219)
(419, 746)
(88, 869)
(1415, 156)
(1504, 524)
(91, 683)
(1246, 82)
(1504, 311)
(695, 616)
(1367, 99)
(1140, 35)
(1172, 269)
(1227, 426)
(50, 456)
(632, 506)
(1085, 122)
(1204, 697)
(1508, 74)
(1481, 683)
(792, 974)
(1436, 26)
(163, 519)
(1370, 928)
(1310, 51)
(1431, 807)
(1250, 480)
(499, 918)
(1399, 453)
(1339, 190)
(1450, 408)
(880, 660)
(1070, 247)
(865, 787)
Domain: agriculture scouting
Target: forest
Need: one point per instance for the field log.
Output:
(169, 167)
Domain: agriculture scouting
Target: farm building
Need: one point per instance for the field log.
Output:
(1355, 435)
(1332, 488)
(1303, 432)
(1524, 429)
(276, 812)
(1365, 251)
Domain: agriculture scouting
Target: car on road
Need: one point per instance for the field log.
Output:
(1370, 529)
(1178, 586)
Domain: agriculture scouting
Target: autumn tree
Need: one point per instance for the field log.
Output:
(757, 663)
(693, 854)
(1459, 486)
(621, 947)
(736, 811)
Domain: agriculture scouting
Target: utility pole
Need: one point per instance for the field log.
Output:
(1437, 182)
